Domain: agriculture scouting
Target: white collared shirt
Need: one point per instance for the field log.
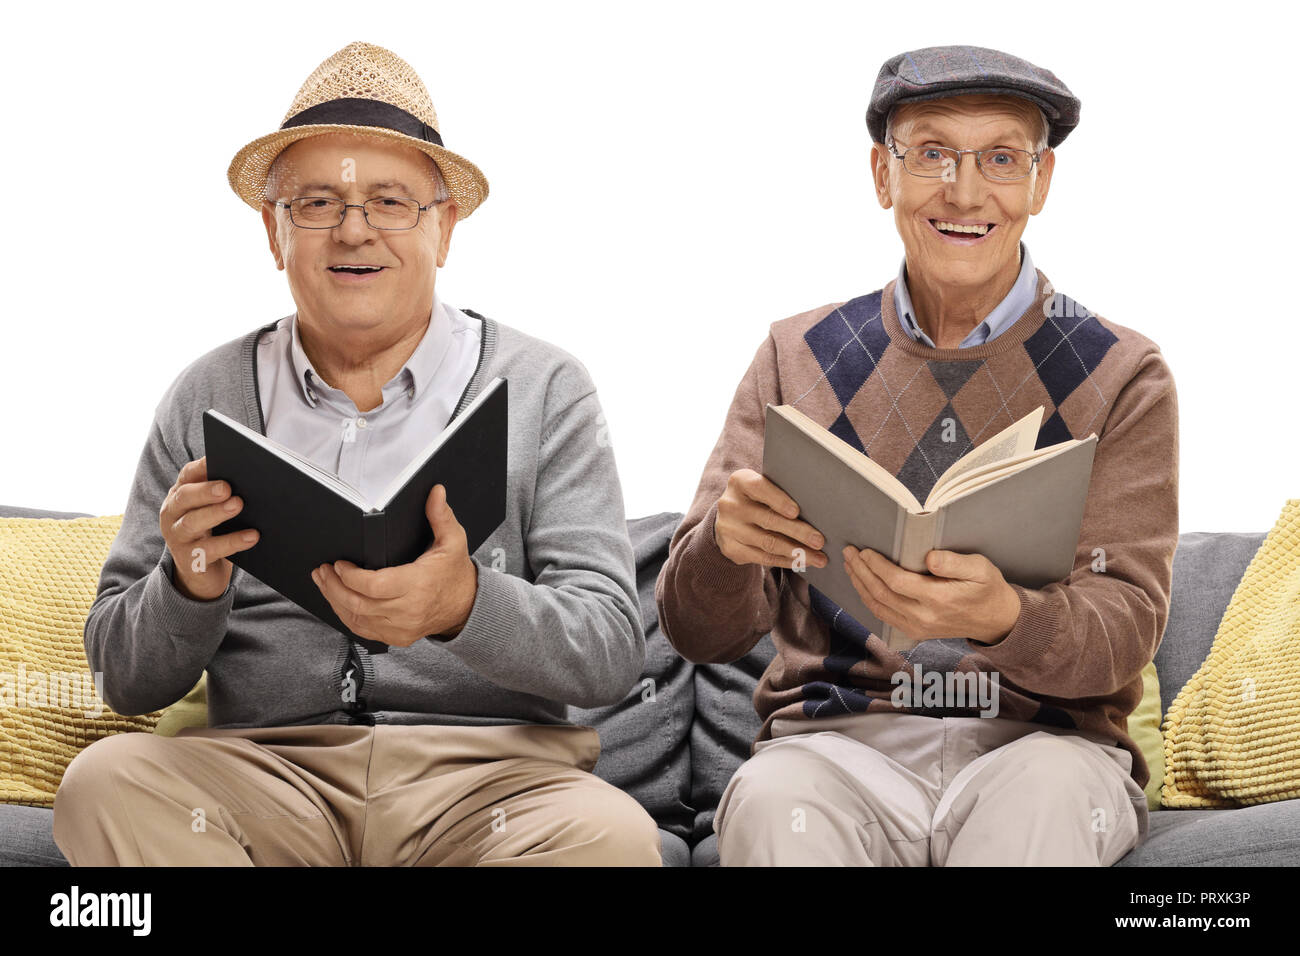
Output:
(367, 450)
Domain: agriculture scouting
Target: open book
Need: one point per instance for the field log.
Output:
(1020, 507)
(307, 516)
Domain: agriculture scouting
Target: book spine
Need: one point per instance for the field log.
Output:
(374, 527)
(919, 535)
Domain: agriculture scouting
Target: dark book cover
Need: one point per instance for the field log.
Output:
(306, 517)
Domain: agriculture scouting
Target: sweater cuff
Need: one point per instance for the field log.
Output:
(182, 616)
(1035, 632)
(492, 623)
(711, 570)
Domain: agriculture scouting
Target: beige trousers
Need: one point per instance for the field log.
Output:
(909, 790)
(337, 795)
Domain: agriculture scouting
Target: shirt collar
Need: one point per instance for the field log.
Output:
(1012, 307)
(415, 375)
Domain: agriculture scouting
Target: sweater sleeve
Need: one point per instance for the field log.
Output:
(1093, 633)
(150, 641)
(573, 633)
(711, 609)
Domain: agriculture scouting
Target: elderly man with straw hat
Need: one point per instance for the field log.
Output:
(453, 747)
(966, 340)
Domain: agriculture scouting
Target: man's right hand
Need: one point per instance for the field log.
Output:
(192, 508)
(758, 524)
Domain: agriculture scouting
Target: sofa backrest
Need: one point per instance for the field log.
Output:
(1208, 566)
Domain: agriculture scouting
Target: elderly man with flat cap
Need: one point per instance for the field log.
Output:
(967, 339)
(452, 747)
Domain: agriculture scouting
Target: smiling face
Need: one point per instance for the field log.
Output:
(356, 168)
(969, 260)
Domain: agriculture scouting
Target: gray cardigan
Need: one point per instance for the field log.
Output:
(556, 620)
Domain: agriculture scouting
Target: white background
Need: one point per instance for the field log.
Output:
(666, 180)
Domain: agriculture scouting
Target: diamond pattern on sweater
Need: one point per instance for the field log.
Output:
(1068, 347)
(951, 376)
(1052, 369)
(941, 445)
(848, 345)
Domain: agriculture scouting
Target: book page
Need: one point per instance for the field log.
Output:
(978, 478)
(405, 475)
(302, 464)
(846, 453)
(1013, 441)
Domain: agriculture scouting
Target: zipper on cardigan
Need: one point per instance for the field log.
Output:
(352, 685)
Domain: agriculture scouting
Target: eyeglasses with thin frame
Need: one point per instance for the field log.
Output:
(933, 162)
(391, 213)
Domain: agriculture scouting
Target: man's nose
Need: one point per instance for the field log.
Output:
(354, 223)
(966, 180)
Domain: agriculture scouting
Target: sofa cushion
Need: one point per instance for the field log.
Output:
(1207, 569)
(1233, 732)
(27, 837)
(645, 738)
(724, 729)
(1264, 835)
(1144, 728)
(51, 707)
(9, 511)
(673, 849)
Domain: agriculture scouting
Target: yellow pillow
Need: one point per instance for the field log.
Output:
(190, 711)
(1144, 728)
(1232, 737)
(50, 705)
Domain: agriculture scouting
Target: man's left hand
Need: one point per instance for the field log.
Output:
(402, 604)
(966, 597)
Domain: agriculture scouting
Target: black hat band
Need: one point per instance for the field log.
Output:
(356, 111)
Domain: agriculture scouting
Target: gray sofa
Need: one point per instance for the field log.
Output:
(678, 736)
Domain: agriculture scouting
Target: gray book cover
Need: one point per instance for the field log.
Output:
(1026, 520)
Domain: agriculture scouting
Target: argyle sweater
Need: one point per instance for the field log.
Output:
(1074, 658)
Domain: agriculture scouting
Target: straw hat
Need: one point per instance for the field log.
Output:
(367, 90)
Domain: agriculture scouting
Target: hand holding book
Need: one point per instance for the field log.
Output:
(1005, 512)
(399, 605)
(965, 595)
(757, 524)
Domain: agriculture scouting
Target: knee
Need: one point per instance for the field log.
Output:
(93, 776)
(1053, 763)
(620, 831)
(773, 789)
(105, 764)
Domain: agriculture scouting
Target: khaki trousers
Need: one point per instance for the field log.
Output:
(908, 790)
(338, 795)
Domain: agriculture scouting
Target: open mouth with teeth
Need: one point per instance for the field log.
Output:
(956, 231)
(355, 270)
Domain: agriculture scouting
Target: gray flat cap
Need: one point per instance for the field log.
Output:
(939, 71)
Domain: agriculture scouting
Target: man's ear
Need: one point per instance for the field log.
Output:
(1046, 164)
(880, 174)
(448, 215)
(272, 232)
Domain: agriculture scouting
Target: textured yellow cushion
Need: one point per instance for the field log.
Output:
(49, 704)
(1232, 737)
(190, 711)
(1144, 728)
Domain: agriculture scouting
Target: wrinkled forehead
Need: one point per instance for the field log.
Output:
(997, 119)
(341, 162)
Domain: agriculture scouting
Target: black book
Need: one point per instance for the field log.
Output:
(307, 516)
